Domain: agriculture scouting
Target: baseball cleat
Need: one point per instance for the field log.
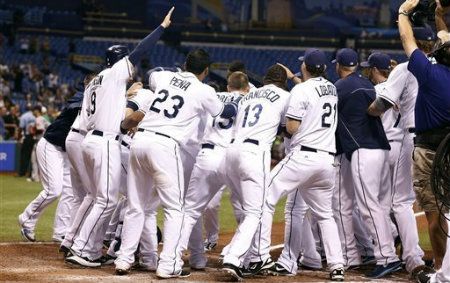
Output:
(27, 235)
(259, 267)
(122, 268)
(65, 251)
(181, 274)
(383, 270)
(278, 270)
(146, 267)
(233, 270)
(367, 260)
(83, 261)
(107, 259)
(337, 274)
(209, 246)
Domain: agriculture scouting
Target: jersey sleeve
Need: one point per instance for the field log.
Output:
(211, 103)
(123, 69)
(393, 88)
(297, 105)
(419, 66)
(140, 100)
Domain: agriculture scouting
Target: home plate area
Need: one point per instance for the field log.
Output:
(42, 262)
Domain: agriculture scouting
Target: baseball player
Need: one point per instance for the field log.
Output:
(211, 213)
(207, 179)
(247, 161)
(54, 171)
(309, 166)
(401, 89)
(102, 146)
(362, 141)
(169, 118)
(400, 197)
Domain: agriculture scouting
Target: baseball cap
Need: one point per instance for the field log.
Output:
(346, 57)
(378, 60)
(424, 33)
(314, 58)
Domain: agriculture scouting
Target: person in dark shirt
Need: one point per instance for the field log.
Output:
(54, 171)
(363, 171)
(432, 118)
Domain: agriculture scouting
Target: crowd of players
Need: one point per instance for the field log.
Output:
(116, 155)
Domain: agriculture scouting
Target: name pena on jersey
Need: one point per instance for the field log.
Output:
(181, 84)
(326, 90)
(262, 93)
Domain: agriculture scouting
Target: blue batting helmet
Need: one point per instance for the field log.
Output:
(115, 53)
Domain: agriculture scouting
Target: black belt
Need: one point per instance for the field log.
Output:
(100, 133)
(125, 144)
(208, 145)
(75, 130)
(156, 133)
(411, 130)
(305, 148)
(255, 142)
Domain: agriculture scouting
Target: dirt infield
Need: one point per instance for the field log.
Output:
(41, 262)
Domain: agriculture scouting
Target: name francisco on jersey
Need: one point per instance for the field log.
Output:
(266, 93)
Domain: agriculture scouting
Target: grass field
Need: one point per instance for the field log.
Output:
(16, 193)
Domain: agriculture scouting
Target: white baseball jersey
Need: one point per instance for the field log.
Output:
(218, 130)
(401, 89)
(260, 113)
(314, 103)
(105, 98)
(176, 107)
(390, 119)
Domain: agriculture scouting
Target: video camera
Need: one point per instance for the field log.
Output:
(424, 12)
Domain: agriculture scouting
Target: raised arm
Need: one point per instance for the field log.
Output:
(439, 16)
(150, 40)
(405, 28)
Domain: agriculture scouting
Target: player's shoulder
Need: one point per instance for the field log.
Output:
(162, 75)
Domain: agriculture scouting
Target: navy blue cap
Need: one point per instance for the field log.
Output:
(424, 33)
(378, 60)
(346, 57)
(314, 58)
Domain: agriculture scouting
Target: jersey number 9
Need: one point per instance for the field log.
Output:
(91, 109)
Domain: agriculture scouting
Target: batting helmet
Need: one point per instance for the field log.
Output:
(115, 53)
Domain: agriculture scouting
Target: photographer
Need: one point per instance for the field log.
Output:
(432, 118)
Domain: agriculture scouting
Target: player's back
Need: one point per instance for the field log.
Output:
(105, 98)
(260, 113)
(218, 131)
(314, 103)
(179, 102)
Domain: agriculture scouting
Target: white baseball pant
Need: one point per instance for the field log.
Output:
(298, 239)
(248, 167)
(155, 173)
(101, 154)
(51, 161)
(369, 172)
(83, 190)
(197, 258)
(211, 215)
(400, 199)
(205, 183)
(313, 173)
(364, 241)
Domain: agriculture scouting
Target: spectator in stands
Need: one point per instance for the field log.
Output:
(11, 123)
(24, 45)
(2, 124)
(40, 126)
(26, 124)
(4, 87)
